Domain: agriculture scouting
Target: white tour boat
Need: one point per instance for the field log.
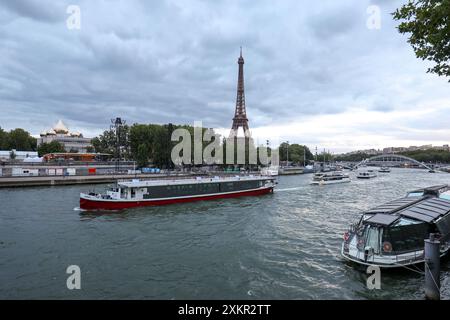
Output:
(392, 235)
(323, 178)
(270, 171)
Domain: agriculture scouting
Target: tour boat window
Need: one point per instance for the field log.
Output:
(373, 239)
(405, 222)
(415, 194)
(407, 237)
(443, 225)
(445, 195)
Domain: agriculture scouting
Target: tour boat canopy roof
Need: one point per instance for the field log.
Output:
(427, 210)
(394, 206)
(421, 208)
(382, 219)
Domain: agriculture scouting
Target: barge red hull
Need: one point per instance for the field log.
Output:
(88, 204)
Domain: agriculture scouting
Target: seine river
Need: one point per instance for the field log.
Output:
(280, 246)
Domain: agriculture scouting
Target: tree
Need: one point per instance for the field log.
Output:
(90, 149)
(107, 142)
(296, 152)
(52, 147)
(429, 155)
(3, 140)
(142, 155)
(161, 147)
(428, 23)
(98, 145)
(170, 129)
(357, 156)
(325, 156)
(20, 139)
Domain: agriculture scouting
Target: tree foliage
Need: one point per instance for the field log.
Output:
(142, 143)
(3, 139)
(356, 157)
(429, 155)
(51, 147)
(151, 144)
(142, 155)
(90, 149)
(428, 24)
(17, 139)
(107, 142)
(296, 152)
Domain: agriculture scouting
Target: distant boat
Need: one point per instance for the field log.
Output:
(290, 170)
(330, 178)
(384, 169)
(308, 169)
(366, 175)
(270, 171)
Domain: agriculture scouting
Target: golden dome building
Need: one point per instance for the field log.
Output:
(72, 141)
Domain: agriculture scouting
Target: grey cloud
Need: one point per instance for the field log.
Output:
(45, 11)
(331, 23)
(166, 61)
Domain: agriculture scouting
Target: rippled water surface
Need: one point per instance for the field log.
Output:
(280, 246)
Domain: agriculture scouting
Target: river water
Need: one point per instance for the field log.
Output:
(280, 246)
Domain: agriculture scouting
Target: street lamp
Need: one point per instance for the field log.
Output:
(116, 125)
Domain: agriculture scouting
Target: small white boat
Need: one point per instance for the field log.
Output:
(384, 169)
(270, 171)
(366, 174)
(324, 178)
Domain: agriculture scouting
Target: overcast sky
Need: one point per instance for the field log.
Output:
(315, 74)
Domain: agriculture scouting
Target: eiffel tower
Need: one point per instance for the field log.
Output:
(240, 114)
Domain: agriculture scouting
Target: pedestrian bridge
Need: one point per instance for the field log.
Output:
(393, 160)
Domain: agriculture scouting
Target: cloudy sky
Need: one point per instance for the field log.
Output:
(314, 72)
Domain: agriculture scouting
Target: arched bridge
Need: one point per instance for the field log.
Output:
(392, 160)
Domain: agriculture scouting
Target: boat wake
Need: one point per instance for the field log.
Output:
(78, 209)
(287, 189)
